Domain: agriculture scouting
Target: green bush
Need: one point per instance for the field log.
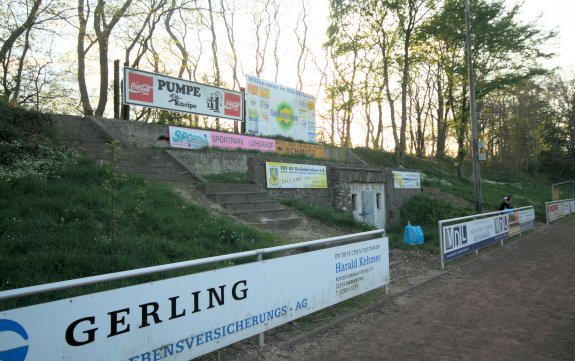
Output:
(422, 210)
(21, 124)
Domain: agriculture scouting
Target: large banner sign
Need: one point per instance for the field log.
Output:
(197, 139)
(311, 150)
(273, 109)
(406, 180)
(461, 238)
(185, 317)
(289, 175)
(158, 91)
(235, 141)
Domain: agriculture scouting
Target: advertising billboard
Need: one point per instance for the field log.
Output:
(181, 318)
(289, 175)
(406, 180)
(158, 91)
(461, 238)
(274, 109)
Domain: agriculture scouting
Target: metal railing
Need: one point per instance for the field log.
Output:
(258, 253)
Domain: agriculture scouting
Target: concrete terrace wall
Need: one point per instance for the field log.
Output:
(344, 180)
(346, 176)
(207, 162)
(146, 135)
(396, 198)
(137, 134)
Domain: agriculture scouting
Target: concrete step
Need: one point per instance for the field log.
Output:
(273, 224)
(232, 197)
(245, 206)
(229, 187)
(264, 215)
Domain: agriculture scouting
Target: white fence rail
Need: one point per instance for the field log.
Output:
(459, 236)
(185, 317)
(559, 209)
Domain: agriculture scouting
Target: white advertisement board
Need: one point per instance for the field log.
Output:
(566, 205)
(274, 109)
(188, 138)
(554, 211)
(289, 175)
(461, 238)
(406, 180)
(526, 215)
(158, 91)
(185, 317)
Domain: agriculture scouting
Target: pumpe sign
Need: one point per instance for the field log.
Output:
(158, 91)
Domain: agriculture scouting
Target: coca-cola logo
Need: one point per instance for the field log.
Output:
(141, 87)
(232, 105)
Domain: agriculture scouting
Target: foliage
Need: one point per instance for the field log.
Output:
(327, 215)
(58, 222)
(422, 210)
(19, 124)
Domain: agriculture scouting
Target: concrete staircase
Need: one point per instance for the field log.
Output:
(83, 134)
(249, 203)
(93, 141)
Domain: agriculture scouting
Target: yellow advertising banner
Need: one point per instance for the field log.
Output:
(312, 150)
(514, 228)
(289, 175)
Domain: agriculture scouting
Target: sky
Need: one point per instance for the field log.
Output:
(556, 15)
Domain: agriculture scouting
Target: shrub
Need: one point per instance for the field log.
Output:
(422, 210)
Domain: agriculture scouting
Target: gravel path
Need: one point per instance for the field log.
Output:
(512, 303)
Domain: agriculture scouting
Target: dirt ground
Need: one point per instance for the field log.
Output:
(513, 303)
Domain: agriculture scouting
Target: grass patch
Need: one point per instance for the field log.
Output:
(229, 177)
(327, 215)
(64, 217)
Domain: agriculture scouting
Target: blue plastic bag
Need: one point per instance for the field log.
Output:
(413, 235)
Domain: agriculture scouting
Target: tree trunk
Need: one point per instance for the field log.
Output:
(462, 133)
(81, 52)
(18, 85)
(441, 115)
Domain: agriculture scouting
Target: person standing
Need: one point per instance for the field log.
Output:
(506, 203)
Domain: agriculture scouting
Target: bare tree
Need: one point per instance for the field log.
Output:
(103, 29)
(181, 45)
(277, 33)
(141, 28)
(301, 36)
(105, 19)
(228, 16)
(20, 29)
(263, 20)
(25, 20)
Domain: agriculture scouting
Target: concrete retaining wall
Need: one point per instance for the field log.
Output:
(207, 162)
(346, 175)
